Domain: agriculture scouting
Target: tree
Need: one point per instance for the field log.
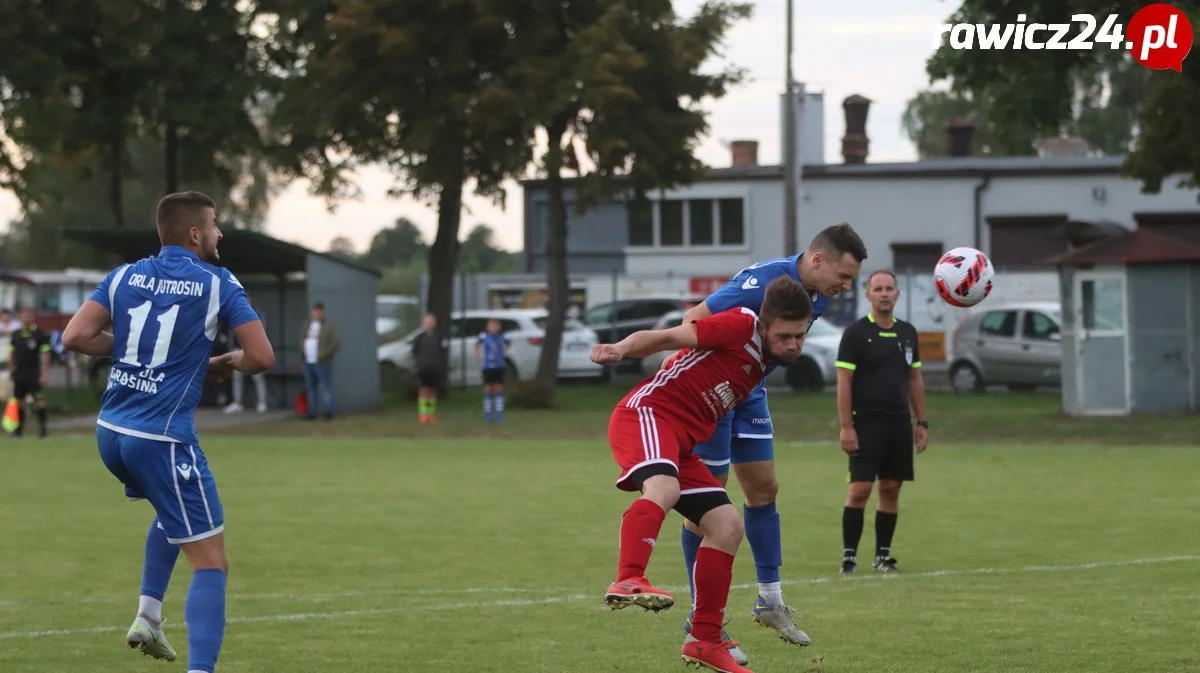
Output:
(1045, 90)
(343, 248)
(1107, 102)
(397, 245)
(620, 82)
(927, 114)
(69, 80)
(83, 85)
(478, 254)
(416, 86)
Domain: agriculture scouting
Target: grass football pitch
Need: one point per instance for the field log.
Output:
(1028, 543)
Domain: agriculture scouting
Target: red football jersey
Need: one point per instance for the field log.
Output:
(699, 386)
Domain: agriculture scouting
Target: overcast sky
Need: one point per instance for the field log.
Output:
(876, 48)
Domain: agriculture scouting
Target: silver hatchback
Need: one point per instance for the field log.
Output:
(1015, 345)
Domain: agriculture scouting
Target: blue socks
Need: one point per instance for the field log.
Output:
(205, 613)
(159, 564)
(493, 407)
(762, 532)
(691, 546)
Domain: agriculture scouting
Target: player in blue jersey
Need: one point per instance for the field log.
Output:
(165, 312)
(744, 438)
(490, 348)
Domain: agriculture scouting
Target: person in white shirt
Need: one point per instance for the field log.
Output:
(321, 343)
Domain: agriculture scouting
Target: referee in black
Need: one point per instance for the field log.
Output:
(879, 378)
(28, 365)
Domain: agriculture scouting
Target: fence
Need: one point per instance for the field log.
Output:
(919, 303)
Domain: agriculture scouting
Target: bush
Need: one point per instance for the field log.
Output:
(529, 395)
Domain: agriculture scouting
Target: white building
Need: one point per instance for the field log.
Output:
(1019, 210)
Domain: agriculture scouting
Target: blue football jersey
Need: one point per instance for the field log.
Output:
(166, 312)
(492, 346)
(746, 288)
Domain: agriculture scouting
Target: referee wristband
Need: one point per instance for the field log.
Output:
(923, 424)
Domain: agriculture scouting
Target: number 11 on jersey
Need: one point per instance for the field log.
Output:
(138, 316)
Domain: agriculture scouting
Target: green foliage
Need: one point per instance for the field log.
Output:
(403, 279)
(89, 90)
(401, 254)
(478, 253)
(927, 114)
(400, 244)
(530, 395)
(621, 83)
(1099, 94)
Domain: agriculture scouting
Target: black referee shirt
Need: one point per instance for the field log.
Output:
(28, 344)
(881, 360)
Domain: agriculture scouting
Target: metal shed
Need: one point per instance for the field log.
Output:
(1131, 326)
(285, 279)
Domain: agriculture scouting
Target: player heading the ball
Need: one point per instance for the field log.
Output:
(654, 429)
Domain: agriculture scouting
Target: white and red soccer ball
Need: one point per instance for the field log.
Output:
(963, 277)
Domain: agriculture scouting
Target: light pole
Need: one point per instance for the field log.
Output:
(791, 162)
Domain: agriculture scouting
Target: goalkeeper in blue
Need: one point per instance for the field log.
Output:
(744, 439)
(165, 311)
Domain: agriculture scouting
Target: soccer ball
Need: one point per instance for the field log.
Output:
(963, 277)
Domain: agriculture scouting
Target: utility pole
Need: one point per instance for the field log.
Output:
(791, 162)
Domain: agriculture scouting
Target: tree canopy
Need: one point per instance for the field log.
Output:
(620, 83)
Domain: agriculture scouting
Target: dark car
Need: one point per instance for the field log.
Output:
(618, 319)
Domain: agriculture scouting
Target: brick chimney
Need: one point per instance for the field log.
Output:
(745, 152)
(855, 143)
(960, 131)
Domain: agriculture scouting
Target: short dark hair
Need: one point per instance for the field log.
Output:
(886, 272)
(179, 212)
(785, 299)
(839, 240)
(320, 305)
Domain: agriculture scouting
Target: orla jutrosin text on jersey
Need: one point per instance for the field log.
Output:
(185, 288)
(145, 379)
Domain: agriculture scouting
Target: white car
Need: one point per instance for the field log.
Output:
(525, 329)
(814, 369)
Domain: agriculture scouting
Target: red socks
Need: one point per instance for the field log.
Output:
(639, 531)
(713, 575)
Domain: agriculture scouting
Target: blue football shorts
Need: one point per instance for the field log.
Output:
(173, 477)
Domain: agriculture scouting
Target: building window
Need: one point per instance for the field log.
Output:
(1182, 226)
(692, 223)
(733, 221)
(919, 257)
(1026, 242)
(670, 224)
(641, 224)
(700, 222)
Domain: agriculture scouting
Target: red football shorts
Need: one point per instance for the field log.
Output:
(641, 438)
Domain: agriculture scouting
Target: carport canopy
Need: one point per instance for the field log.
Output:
(243, 252)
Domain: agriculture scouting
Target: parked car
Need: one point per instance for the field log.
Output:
(1016, 345)
(812, 371)
(525, 329)
(618, 319)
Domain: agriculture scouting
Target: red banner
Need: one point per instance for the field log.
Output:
(706, 285)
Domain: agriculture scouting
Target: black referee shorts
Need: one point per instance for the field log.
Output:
(885, 449)
(27, 384)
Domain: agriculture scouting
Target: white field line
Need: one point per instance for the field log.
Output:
(595, 596)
